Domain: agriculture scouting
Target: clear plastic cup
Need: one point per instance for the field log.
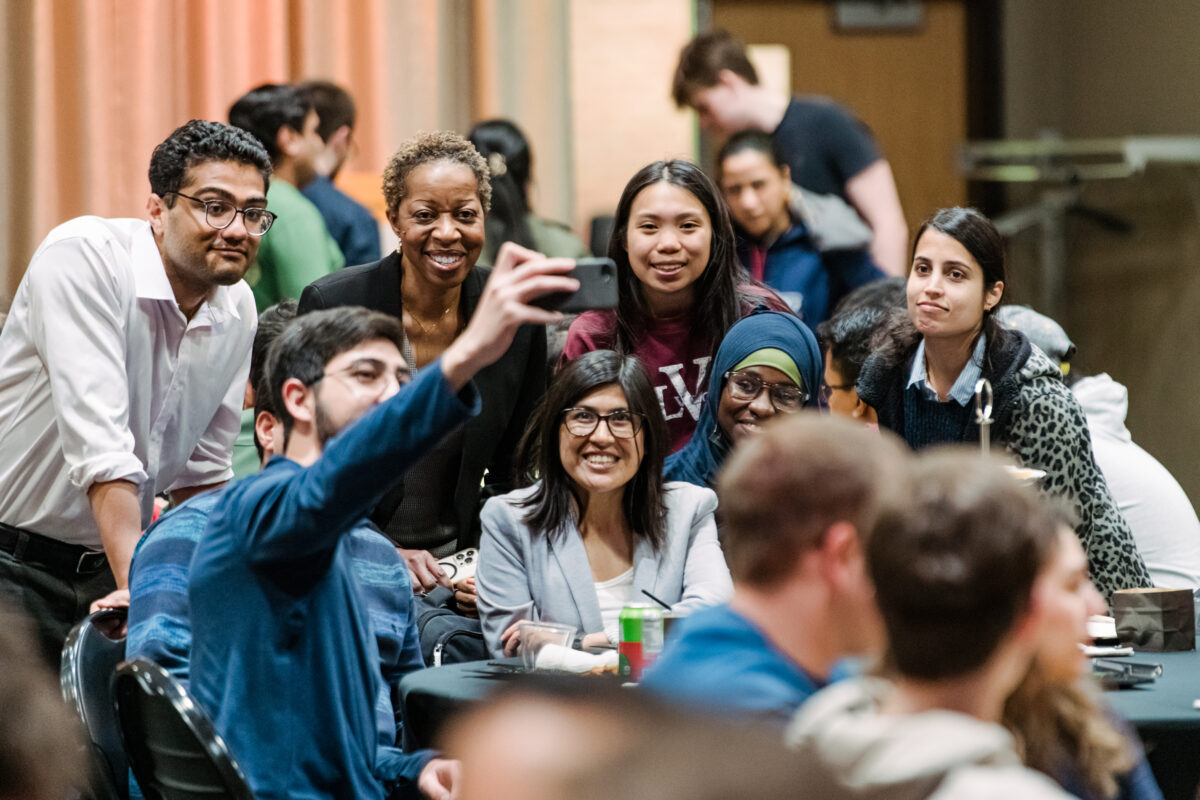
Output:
(536, 635)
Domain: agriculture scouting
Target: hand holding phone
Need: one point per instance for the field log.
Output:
(597, 288)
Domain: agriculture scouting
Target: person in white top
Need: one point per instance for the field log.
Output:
(122, 368)
(1159, 513)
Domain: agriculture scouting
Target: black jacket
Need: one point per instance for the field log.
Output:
(509, 388)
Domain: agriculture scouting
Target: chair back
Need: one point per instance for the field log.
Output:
(89, 659)
(175, 751)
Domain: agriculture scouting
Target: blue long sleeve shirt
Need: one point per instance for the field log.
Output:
(160, 629)
(284, 658)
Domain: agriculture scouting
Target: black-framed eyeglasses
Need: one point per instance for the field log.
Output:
(785, 396)
(622, 423)
(369, 375)
(827, 390)
(220, 214)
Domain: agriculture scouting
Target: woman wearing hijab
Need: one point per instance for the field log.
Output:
(769, 363)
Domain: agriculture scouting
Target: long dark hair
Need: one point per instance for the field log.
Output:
(551, 506)
(719, 301)
(509, 159)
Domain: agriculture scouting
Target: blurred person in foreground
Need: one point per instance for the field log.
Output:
(795, 502)
(969, 575)
(41, 744)
(578, 739)
(273, 597)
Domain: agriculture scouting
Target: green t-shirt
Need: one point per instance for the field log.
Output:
(295, 252)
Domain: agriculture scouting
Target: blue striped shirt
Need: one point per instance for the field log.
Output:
(159, 627)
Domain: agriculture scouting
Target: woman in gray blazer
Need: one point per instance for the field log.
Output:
(595, 524)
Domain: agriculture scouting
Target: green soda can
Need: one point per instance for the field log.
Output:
(641, 638)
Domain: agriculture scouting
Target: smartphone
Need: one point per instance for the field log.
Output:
(597, 288)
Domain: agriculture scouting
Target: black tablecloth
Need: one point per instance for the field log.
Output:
(431, 696)
(1164, 717)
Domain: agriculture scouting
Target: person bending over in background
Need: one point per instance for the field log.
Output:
(829, 151)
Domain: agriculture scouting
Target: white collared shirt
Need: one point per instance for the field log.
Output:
(963, 390)
(103, 378)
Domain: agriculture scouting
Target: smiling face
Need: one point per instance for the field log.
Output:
(669, 238)
(601, 463)
(757, 193)
(740, 418)
(1065, 597)
(946, 290)
(196, 256)
(440, 223)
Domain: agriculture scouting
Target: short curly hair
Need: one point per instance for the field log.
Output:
(200, 141)
(428, 148)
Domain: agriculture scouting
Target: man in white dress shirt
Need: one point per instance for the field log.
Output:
(122, 367)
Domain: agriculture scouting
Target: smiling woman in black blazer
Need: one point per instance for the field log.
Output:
(437, 191)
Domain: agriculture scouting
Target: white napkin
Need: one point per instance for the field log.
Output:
(555, 656)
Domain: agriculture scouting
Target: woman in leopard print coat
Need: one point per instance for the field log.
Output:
(920, 380)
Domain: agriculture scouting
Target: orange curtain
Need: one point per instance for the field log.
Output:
(94, 85)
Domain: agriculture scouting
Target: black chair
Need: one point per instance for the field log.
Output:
(175, 752)
(89, 658)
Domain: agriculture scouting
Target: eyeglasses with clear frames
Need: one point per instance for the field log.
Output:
(622, 423)
(786, 397)
(369, 375)
(220, 214)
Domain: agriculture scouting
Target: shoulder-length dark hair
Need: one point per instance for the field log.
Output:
(553, 504)
(719, 301)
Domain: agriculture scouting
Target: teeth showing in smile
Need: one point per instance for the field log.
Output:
(447, 260)
(600, 460)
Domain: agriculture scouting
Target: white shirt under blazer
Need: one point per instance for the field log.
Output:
(103, 378)
(548, 577)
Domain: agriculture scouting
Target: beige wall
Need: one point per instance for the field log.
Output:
(623, 55)
(1090, 68)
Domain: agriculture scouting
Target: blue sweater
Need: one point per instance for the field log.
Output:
(810, 281)
(717, 660)
(159, 627)
(284, 657)
(350, 223)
